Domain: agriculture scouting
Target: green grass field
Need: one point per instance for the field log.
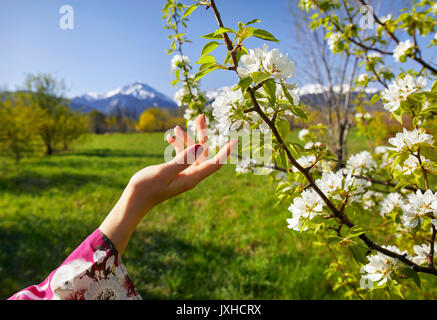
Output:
(222, 240)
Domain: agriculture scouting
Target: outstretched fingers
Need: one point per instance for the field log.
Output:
(183, 137)
(202, 137)
(182, 161)
(175, 143)
(190, 178)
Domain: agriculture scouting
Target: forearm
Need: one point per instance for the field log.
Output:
(121, 222)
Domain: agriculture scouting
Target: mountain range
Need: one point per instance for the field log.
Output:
(137, 97)
(133, 98)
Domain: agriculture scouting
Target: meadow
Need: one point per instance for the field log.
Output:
(222, 240)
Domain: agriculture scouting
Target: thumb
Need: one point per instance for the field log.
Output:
(182, 160)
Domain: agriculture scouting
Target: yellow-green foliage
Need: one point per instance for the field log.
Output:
(19, 124)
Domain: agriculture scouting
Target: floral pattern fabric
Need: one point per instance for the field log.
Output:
(93, 271)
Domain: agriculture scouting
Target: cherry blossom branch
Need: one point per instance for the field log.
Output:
(184, 66)
(376, 73)
(228, 41)
(425, 177)
(387, 183)
(431, 248)
(416, 56)
(335, 211)
(417, 53)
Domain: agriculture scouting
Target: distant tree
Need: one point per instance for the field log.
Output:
(72, 125)
(96, 122)
(130, 123)
(19, 127)
(333, 78)
(47, 97)
(111, 123)
(58, 125)
(157, 119)
(120, 119)
(147, 122)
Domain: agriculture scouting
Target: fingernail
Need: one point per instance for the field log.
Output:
(198, 149)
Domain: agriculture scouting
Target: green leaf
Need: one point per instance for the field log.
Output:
(265, 35)
(410, 273)
(298, 111)
(252, 22)
(333, 239)
(189, 11)
(270, 88)
(259, 76)
(283, 127)
(284, 159)
(287, 94)
(398, 115)
(212, 36)
(209, 47)
(244, 84)
(206, 59)
(359, 254)
(224, 30)
(206, 66)
(374, 99)
(397, 290)
(434, 87)
(203, 73)
(356, 231)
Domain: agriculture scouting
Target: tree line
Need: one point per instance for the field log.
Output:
(38, 120)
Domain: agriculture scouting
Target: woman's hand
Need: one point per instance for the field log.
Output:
(155, 184)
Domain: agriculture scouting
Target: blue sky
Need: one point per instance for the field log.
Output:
(117, 42)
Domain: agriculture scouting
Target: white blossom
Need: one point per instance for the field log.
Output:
(280, 66)
(303, 133)
(421, 254)
(360, 116)
(402, 49)
(409, 139)
(362, 77)
(355, 187)
(381, 267)
(309, 145)
(412, 163)
(222, 106)
(330, 183)
(418, 205)
(386, 18)
(250, 62)
(180, 94)
(305, 162)
(389, 203)
(333, 39)
(373, 55)
(369, 197)
(361, 163)
(178, 60)
(308, 206)
(400, 90)
(384, 70)
(245, 165)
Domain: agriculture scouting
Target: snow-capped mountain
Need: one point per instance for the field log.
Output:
(135, 98)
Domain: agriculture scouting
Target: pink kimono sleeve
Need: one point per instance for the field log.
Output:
(94, 271)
